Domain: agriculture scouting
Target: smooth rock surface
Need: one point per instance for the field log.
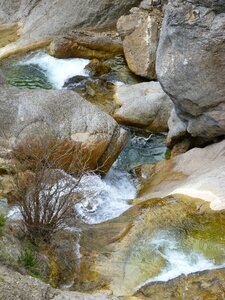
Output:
(190, 65)
(26, 114)
(140, 34)
(143, 105)
(197, 173)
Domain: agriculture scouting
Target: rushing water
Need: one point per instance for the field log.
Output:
(57, 70)
(178, 261)
(40, 70)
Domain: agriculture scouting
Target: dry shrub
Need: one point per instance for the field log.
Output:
(51, 152)
(46, 194)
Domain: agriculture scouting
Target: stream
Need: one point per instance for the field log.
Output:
(107, 198)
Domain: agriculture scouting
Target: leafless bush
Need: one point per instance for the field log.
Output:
(46, 194)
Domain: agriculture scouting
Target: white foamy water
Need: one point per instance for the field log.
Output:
(102, 199)
(178, 261)
(105, 198)
(57, 70)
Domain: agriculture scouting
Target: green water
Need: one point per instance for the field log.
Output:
(142, 148)
(24, 76)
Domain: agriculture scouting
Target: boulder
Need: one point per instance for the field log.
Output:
(143, 105)
(41, 20)
(140, 34)
(26, 116)
(197, 173)
(86, 44)
(190, 66)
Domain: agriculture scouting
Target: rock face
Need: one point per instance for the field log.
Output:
(61, 114)
(40, 20)
(140, 34)
(143, 105)
(190, 64)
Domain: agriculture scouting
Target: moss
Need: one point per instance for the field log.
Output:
(207, 237)
(168, 154)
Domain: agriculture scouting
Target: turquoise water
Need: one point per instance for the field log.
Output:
(142, 148)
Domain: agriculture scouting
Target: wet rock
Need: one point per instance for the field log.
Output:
(97, 68)
(27, 115)
(203, 285)
(86, 44)
(143, 105)
(74, 81)
(140, 34)
(190, 65)
(97, 91)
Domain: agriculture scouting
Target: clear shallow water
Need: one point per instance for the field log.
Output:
(40, 70)
(142, 148)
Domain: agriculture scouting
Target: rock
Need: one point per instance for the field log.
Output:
(59, 114)
(190, 65)
(197, 173)
(27, 287)
(177, 128)
(41, 21)
(140, 34)
(97, 68)
(9, 33)
(143, 105)
(86, 44)
(97, 91)
(74, 81)
(2, 78)
(203, 285)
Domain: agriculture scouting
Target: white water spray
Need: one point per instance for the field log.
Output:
(178, 261)
(106, 198)
(58, 70)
